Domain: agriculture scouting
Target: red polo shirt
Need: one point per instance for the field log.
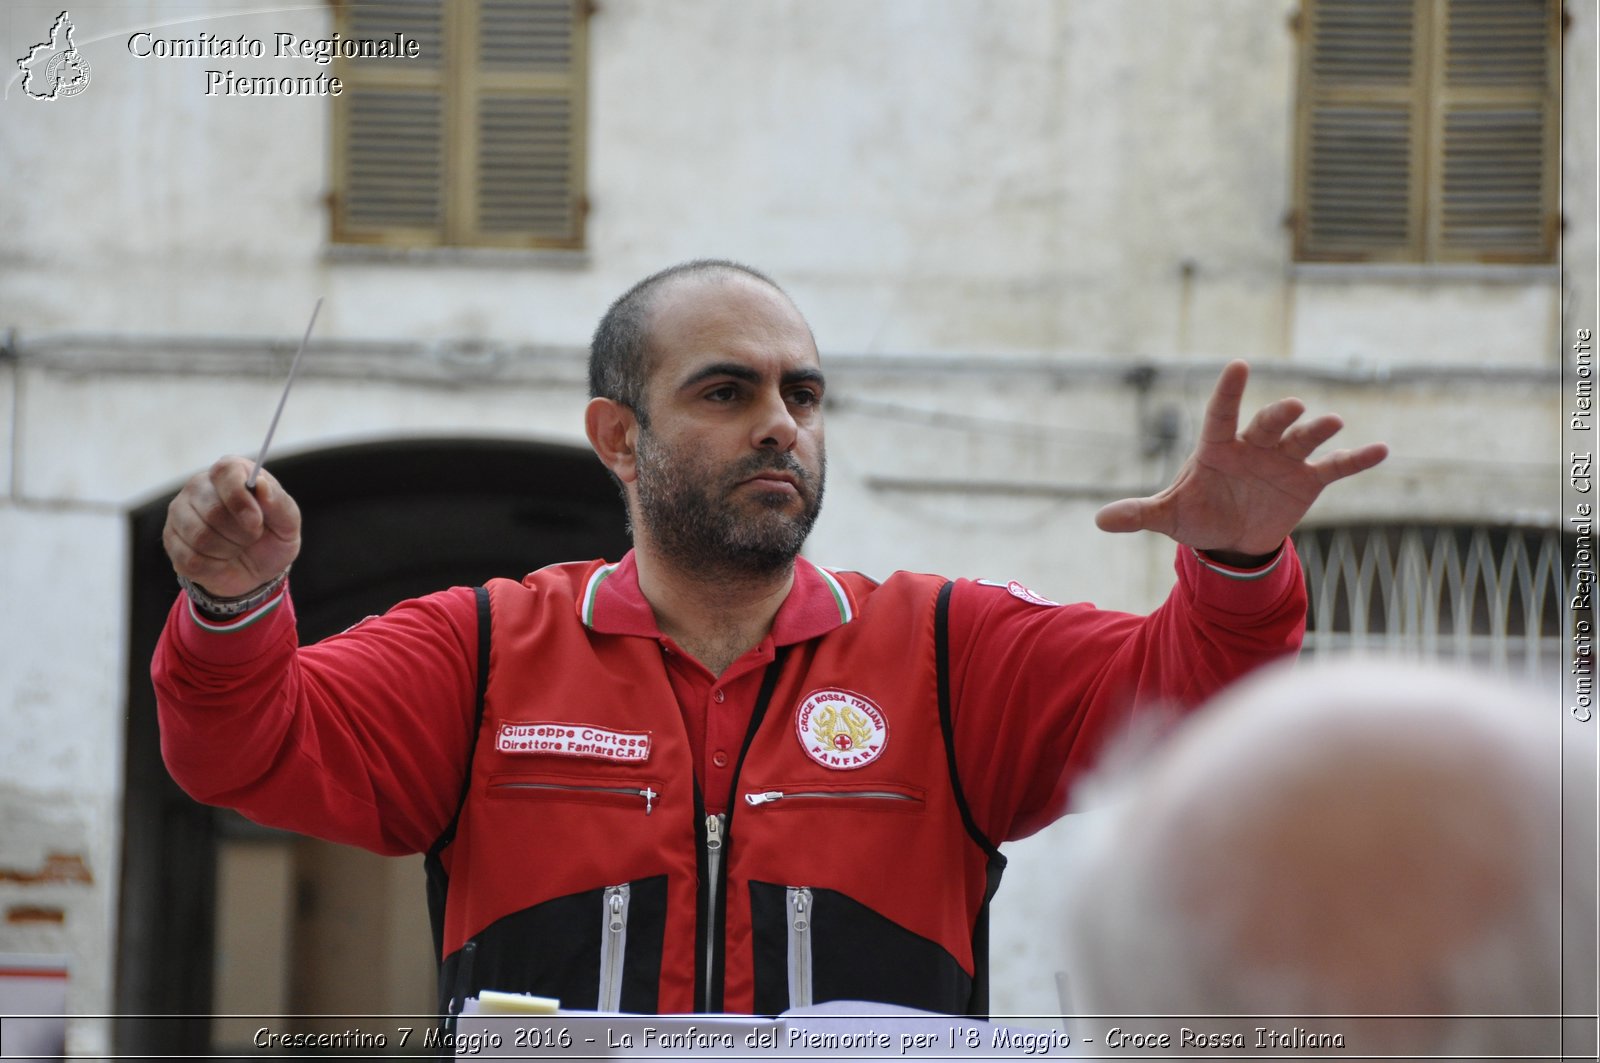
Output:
(717, 709)
(362, 737)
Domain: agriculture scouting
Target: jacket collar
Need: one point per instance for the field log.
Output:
(613, 604)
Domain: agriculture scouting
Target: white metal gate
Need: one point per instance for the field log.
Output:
(1491, 595)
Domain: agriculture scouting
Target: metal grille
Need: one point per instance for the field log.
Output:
(1488, 595)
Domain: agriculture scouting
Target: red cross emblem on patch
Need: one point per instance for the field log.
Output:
(841, 729)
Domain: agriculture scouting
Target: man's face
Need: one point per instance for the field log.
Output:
(731, 467)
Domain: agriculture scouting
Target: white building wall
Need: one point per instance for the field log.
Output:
(989, 212)
(61, 702)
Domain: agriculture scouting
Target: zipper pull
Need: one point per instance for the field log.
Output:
(802, 901)
(714, 825)
(764, 798)
(616, 923)
(649, 796)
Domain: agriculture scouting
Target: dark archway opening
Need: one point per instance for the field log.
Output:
(383, 522)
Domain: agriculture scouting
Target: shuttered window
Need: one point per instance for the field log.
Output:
(478, 141)
(1428, 131)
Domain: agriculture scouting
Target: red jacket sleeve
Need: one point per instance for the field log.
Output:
(360, 739)
(1038, 689)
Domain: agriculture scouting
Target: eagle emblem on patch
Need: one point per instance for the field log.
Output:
(841, 729)
(1017, 590)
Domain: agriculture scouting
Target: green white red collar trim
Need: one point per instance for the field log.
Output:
(840, 598)
(818, 602)
(591, 590)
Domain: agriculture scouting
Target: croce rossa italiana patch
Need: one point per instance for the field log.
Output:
(841, 729)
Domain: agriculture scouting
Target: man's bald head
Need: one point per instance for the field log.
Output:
(1352, 838)
(619, 354)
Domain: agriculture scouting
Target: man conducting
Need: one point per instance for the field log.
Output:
(713, 776)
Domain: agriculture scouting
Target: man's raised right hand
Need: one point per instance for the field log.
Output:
(225, 537)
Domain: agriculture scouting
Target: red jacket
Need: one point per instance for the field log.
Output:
(888, 788)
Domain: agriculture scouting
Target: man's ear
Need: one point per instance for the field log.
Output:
(613, 432)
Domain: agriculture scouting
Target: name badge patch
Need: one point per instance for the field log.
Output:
(841, 729)
(572, 740)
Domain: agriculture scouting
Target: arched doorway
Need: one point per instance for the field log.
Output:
(383, 522)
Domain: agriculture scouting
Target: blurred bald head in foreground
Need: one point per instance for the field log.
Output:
(1348, 838)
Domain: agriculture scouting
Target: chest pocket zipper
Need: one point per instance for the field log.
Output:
(648, 794)
(768, 797)
(800, 917)
(613, 947)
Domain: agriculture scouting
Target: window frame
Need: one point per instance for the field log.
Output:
(1427, 96)
(462, 83)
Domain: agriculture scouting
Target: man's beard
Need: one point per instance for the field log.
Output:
(691, 515)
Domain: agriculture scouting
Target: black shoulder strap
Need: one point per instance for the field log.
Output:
(715, 921)
(979, 1005)
(438, 881)
(449, 834)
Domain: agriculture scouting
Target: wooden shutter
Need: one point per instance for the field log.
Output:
(1495, 138)
(527, 145)
(1360, 154)
(478, 142)
(389, 125)
(1426, 131)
